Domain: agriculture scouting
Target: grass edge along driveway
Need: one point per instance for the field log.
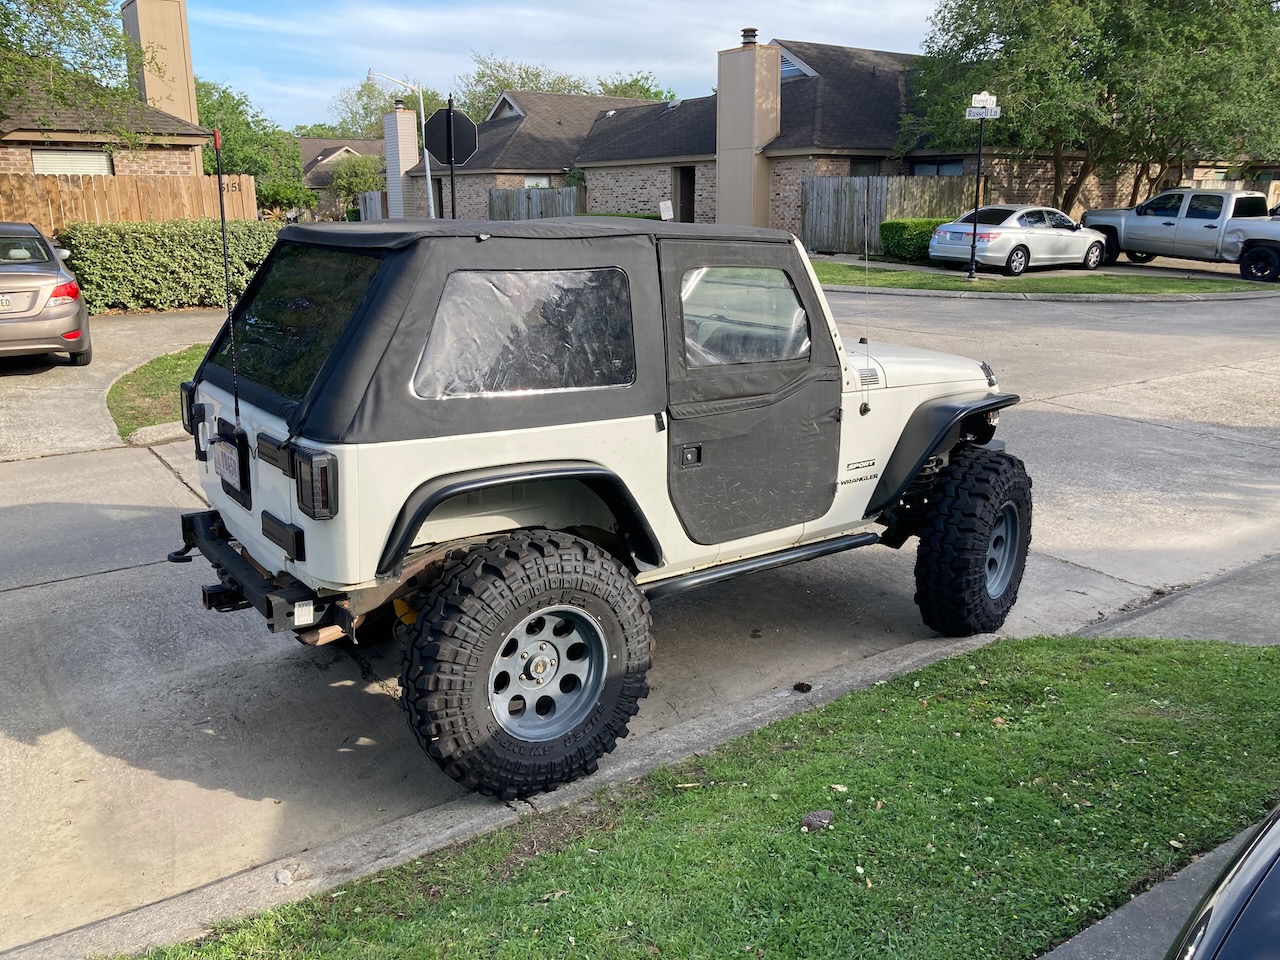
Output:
(1079, 282)
(991, 805)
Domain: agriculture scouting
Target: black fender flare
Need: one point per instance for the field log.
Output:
(606, 484)
(935, 425)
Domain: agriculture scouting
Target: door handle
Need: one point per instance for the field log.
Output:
(1168, 223)
(1211, 226)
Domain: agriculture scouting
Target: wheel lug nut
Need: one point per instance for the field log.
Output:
(542, 646)
(524, 655)
(553, 663)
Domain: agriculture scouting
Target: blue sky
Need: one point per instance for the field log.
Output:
(290, 57)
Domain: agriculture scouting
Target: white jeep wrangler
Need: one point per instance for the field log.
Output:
(514, 435)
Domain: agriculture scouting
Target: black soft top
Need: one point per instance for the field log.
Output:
(397, 234)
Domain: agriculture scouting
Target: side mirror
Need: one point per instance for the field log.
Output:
(1075, 226)
(1140, 209)
(62, 252)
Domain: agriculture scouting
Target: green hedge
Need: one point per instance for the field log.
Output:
(908, 239)
(163, 265)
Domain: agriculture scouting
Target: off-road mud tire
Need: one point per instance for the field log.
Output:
(976, 496)
(463, 625)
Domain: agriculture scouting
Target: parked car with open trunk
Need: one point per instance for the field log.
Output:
(512, 436)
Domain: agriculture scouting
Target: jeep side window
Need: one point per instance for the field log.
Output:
(1204, 206)
(742, 315)
(517, 331)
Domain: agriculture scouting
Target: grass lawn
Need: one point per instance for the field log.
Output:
(988, 806)
(149, 395)
(1075, 282)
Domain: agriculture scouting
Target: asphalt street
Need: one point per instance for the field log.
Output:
(149, 748)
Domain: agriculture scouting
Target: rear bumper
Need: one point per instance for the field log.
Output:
(286, 603)
(43, 333)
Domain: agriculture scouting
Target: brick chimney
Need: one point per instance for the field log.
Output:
(400, 133)
(748, 117)
(160, 28)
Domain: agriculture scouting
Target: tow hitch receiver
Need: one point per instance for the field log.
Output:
(223, 598)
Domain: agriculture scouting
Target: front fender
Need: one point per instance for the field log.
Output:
(935, 425)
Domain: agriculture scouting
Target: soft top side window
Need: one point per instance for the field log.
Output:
(522, 331)
(742, 315)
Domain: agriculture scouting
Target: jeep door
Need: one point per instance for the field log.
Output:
(754, 389)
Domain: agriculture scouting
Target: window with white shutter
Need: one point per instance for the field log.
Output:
(86, 162)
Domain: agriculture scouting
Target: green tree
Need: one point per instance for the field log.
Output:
(57, 55)
(638, 83)
(476, 92)
(1098, 85)
(253, 145)
(358, 110)
(357, 174)
(327, 131)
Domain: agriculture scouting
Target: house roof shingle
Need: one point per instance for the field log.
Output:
(682, 128)
(546, 137)
(26, 114)
(854, 102)
(319, 149)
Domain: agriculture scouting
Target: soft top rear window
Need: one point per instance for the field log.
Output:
(288, 327)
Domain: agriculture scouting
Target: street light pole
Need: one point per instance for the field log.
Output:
(422, 117)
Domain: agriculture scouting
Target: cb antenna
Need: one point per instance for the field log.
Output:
(226, 273)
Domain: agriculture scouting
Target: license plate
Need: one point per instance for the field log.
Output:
(5, 301)
(956, 237)
(226, 463)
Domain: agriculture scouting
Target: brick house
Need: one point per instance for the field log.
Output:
(783, 111)
(35, 140)
(318, 156)
(529, 139)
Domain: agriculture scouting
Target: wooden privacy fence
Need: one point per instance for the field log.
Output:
(843, 214)
(537, 203)
(373, 205)
(50, 201)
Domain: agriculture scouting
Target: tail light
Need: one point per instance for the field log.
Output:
(987, 237)
(68, 292)
(71, 335)
(317, 475)
(192, 415)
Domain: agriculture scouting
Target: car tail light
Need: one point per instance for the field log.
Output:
(317, 474)
(71, 335)
(940, 233)
(68, 292)
(987, 237)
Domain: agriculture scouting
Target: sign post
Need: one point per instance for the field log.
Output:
(983, 108)
(451, 138)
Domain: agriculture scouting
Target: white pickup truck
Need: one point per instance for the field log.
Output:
(1224, 226)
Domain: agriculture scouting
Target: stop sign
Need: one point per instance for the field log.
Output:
(437, 134)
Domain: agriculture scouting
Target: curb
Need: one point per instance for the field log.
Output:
(1057, 297)
(155, 435)
(186, 916)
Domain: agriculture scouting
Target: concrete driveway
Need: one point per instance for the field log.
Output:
(48, 406)
(148, 747)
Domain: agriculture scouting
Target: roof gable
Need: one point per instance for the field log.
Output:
(538, 131)
(834, 98)
(29, 114)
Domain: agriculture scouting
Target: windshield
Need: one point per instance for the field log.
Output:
(288, 328)
(988, 215)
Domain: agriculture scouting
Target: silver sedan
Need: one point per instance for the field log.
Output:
(41, 310)
(1017, 237)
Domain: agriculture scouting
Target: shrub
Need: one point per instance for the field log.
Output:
(163, 265)
(908, 239)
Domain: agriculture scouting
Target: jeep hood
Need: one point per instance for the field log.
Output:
(912, 366)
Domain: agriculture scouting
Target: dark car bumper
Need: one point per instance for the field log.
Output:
(286, 603)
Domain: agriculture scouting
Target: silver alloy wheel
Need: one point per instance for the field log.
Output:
(1093, 256)
(1017, 264)
(548, 674)
(1002, 550)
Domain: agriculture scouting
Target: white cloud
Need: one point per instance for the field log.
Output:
(293, 58)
